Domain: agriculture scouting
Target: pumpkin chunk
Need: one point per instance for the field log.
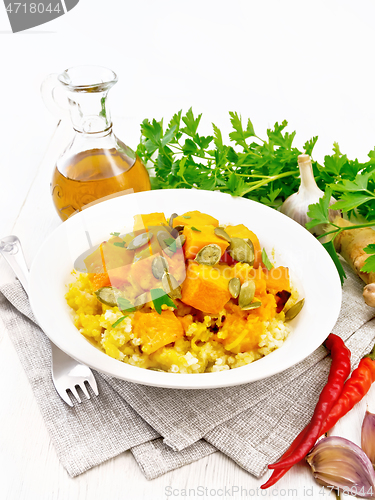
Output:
(195, 218)
(98, 280)
(241, 231)
(156, 330)
(195, 240)
(205, 288)
(242, 330)
(145, 220)
(277, 279)
(109, 255)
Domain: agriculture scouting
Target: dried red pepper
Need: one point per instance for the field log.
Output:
(340, 369)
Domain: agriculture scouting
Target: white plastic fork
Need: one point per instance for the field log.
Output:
(67, 374)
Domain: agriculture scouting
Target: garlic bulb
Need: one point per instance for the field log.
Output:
(368, 436)
(296, 206)
(338, 462)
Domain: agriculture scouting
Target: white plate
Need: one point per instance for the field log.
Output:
(311, 269)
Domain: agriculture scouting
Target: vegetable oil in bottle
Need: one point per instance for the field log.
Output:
(95, 175)
(96, 165)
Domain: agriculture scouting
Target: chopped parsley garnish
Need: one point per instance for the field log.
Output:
(125, 305)
(171, 242)
(159, 298)
(266, 260)
(118, 321)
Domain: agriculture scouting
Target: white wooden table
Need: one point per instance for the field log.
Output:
(28, 463)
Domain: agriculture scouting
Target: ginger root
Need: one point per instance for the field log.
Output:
(350, 244)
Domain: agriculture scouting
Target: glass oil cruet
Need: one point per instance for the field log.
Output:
(96, 164)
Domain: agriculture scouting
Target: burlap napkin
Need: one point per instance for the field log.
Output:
(252, 424)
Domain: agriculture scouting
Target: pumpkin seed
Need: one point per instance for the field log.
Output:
(163, 237)
(170, 286)
(234, 287)
(219, 231)
(246, 295)
(108, 295)
(166, 227)
(179, 228)
(253, 305)
(175, 233)
(173, 216)
(209, 255)
(294, 310)
(180, 241)
(241, 251)
(141, 300)
(159, 266)
(139, 241)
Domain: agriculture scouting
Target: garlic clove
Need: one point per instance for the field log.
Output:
(297, 205)
(368, 436)
(338, 462)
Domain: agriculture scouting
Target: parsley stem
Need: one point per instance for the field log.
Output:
(358, 226)
(340, 229)
(271, 178)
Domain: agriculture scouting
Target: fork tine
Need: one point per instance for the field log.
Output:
(84, 390)
(64, 396)
(92, 383)
(75, 393)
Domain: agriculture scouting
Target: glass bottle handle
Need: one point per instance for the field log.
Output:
(48, 90)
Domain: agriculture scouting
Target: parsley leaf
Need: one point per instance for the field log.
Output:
(266, 261)
(195, 229)
(369, 266)
(218, 139)
(191, 123)
(350, 201)
(125, 304)
(318, 212)
(171, 242)
(240, 135)
(309, 145)
(159, 298)
(118, 321)
(359, 183)
(115, 234)
(119, 244)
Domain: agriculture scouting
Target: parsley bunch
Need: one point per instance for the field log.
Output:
(264, 170)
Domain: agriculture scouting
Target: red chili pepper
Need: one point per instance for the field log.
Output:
(340, 369)
(279, 473)
(354, 389)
